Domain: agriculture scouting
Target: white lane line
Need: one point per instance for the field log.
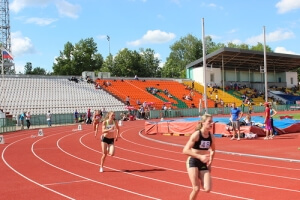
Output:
(179, 145)
(82, 177)
(145, 177)
(20, 174)
(215, 166)
(258, 185)
(256, 164)
(247, 172)
(68, 182)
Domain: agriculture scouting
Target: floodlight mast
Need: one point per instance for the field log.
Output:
(204, 67)
(5, 37)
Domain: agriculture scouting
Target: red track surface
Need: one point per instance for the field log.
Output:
(64, 164)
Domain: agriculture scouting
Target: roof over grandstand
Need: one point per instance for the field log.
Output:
(243, 60)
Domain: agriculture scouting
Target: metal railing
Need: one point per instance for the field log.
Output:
(37, 121)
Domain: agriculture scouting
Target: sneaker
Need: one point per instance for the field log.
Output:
(238, 139)
(101, 169)
(266, 138)
(232, 138)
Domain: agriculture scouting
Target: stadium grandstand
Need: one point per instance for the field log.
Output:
(233, 76)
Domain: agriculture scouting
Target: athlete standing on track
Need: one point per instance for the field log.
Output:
(96, 121)
(267, 121)
(110, 133)
(235, 116)
(201, 149)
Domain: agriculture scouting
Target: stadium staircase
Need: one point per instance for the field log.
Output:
(137, 90)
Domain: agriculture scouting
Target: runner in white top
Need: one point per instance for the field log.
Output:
(110, 133)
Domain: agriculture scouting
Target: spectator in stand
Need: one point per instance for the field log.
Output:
(138, 102)
(147, 112)
(48, 117)
(250, 108)
(80, 118)
(243, 107)
(144, 104)
(22, 117)
(127, 100)
(88, 115)
(142, 112)
(273, 112)
(76, 116)
(28, 117)
(165, 110)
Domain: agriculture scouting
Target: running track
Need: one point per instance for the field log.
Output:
(64, 164)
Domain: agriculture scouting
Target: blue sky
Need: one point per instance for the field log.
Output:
(41, 28)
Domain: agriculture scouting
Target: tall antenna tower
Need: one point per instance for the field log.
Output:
(5, 38)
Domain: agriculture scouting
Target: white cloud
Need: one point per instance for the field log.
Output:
(232, 31)
(177, 2)
(101, 37)
(212, 5)
(153, 36)
(274, 36)
(18, 5)
(19, 67)
(157, 55)
(67, 9)
(40, 21)
(236, 41)
(215, 37)
(283, 50)
(64, 7)
(160, 16)
(285, 6)
(21, 45)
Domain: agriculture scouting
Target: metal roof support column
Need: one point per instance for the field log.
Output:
(223, 73)
(265, 65)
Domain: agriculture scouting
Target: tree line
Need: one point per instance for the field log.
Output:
(84, 56)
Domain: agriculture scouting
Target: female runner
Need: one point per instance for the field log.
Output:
(96, 120)
(200, 148)
(110, 133)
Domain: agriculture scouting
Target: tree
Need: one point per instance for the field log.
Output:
(149, 64)
(260, 47)
(184, 51)
(39, 71)
(129, 63)
(28, 68)
(75, 59)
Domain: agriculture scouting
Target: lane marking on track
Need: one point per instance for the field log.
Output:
(69, 182)
(291, 178)
(224, 168)
(20, 174)
(158, 180)
(218, 151)
(230, 169)
(82, 177)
